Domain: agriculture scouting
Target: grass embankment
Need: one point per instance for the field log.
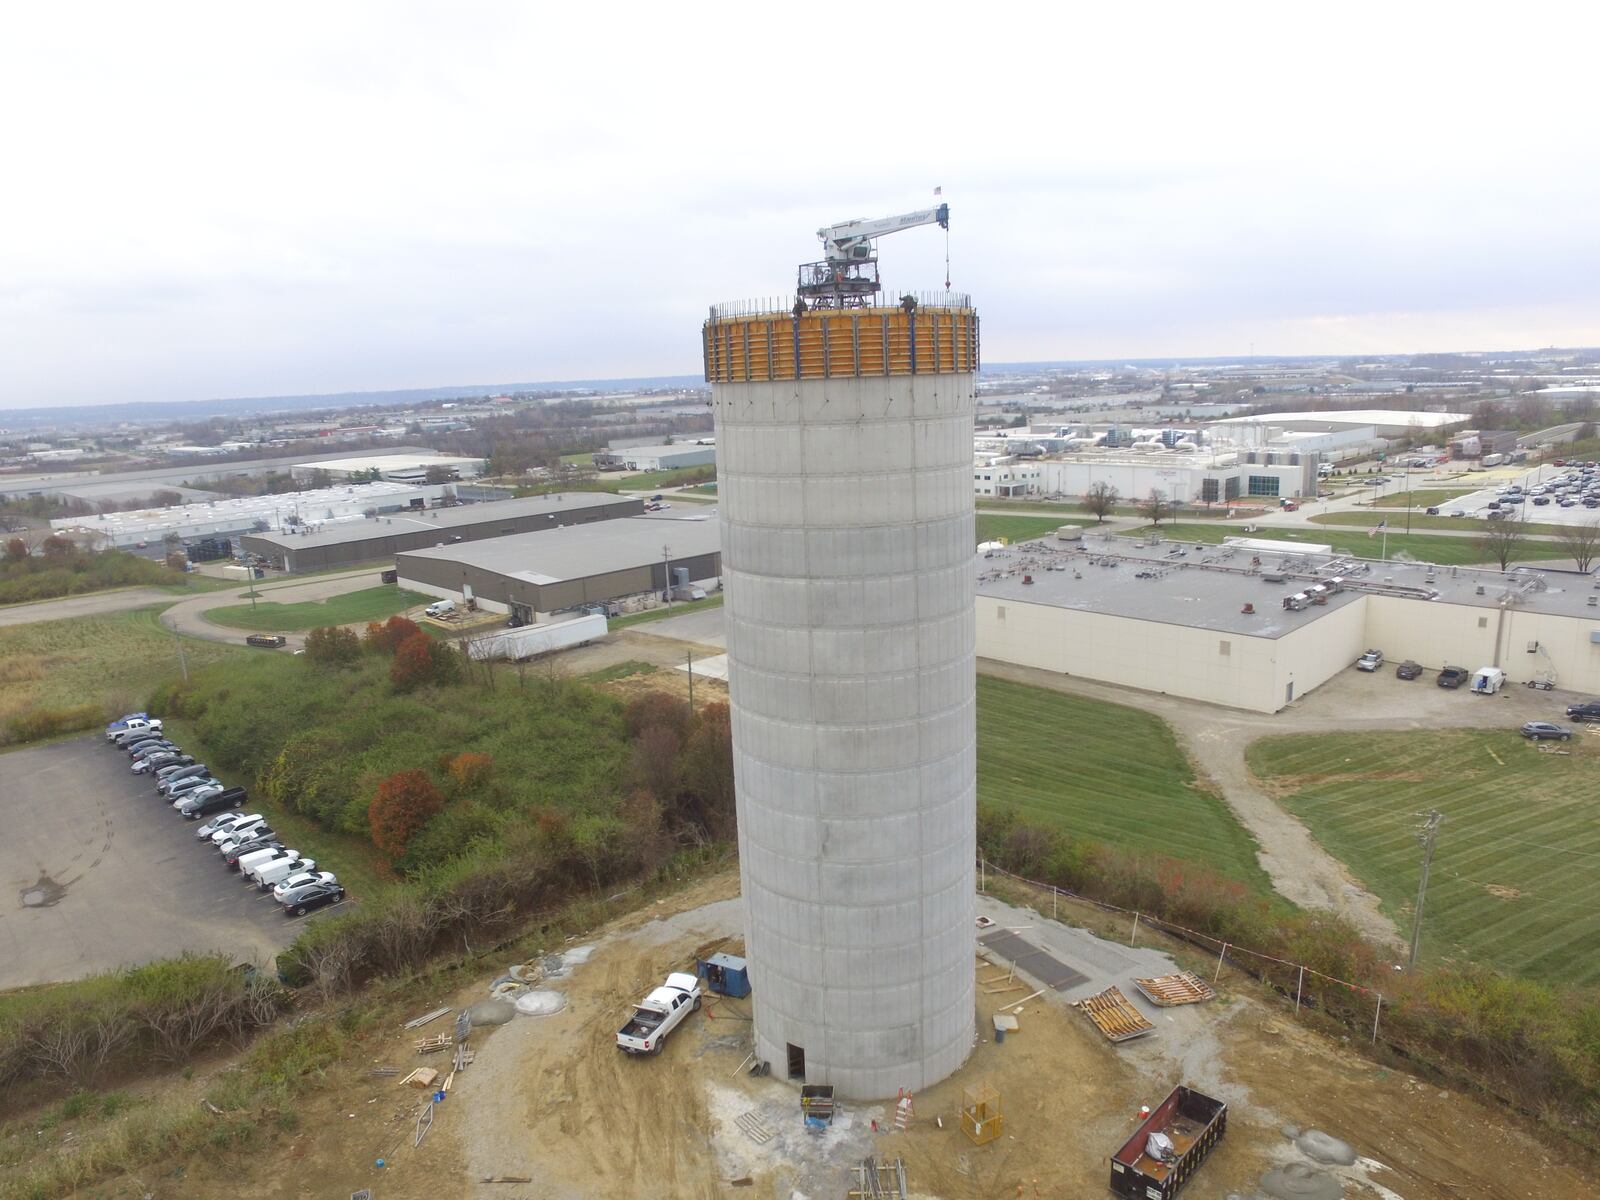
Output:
(1105, 773)
(991, 528)
(1445, 551)
(1421, 520)
(677, 609)
(1516, 873)
(74, 572)
(369, 604)
(98, 667)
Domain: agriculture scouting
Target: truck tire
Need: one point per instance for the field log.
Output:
(656, 1049)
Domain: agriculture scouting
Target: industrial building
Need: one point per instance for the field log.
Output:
(845, 438)
(1186, 475)
(656, 458)
(395, 467)
(242, 514)
(316, 548)
(1385, 422)
(1258, 624)
(532, 576)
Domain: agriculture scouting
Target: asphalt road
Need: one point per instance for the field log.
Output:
(99, 873)
(82, 606)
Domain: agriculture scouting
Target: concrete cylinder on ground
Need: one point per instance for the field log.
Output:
(844, 462)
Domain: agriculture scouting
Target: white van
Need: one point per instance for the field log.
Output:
(440, 608)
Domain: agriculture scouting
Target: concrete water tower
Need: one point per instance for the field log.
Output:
(844, 464)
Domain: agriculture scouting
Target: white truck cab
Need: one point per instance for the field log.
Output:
(659, 1013)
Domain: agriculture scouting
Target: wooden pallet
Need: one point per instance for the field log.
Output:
(753, 1128)
(1115, 1016)
(1168, 990)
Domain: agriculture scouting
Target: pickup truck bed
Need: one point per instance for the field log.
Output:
(642, 1024)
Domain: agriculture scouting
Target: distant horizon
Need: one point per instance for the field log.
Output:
(207, 408)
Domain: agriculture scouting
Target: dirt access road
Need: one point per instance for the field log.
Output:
(551, 1098)
(93, 605)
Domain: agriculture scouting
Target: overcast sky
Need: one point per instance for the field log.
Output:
(224, 200)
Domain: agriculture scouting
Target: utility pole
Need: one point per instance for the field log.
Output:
(689, 654)
(183, 662)
(1408, 495)
(666, 556)
(1425, 836)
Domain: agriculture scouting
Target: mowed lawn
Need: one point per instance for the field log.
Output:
(992, 528)
(1434, 548)
(1516, 872)
(1106, 773)
(369, 604)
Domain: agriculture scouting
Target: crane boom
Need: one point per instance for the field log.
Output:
(847, 276)
(851, 240)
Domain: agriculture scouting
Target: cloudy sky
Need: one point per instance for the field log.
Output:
(222, 200)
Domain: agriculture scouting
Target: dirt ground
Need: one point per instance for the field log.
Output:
(552, 1098)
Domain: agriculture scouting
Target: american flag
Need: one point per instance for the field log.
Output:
(1378, 528)
(938, 191)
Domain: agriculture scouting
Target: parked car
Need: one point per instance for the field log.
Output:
(291, 888)
(1539, 731)
(1370, 661)
(193, 807)
(1453, 677)
(1408, 670)
(165, 779)
(226, 821)
(122, 722)
(439, 608)
(266, 874)
(146, 749)
(318, 895)
(154, 763)
(135, 744)
(1433, 510)
(184, 786)
(659, 1013)
(118, 730)
(255, 858)
(240, 831)
(233, 855)
(1584, 710)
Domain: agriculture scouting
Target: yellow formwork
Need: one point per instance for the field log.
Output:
(843, 343)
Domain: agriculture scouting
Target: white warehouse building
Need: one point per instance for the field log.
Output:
(1192, 477)
(1246, 626)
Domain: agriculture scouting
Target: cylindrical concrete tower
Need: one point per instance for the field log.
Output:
(844, 467)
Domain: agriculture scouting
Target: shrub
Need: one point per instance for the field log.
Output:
(333, 645)
(386, 638)
(657, 708)
(48, 722)
(470, 769)
(405, 802)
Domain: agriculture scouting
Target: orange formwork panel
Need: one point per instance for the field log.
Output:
(825, 344)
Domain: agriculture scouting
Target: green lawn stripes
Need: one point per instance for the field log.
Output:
(369, 604)
(1516, 872)
(1103, 772)
(1016, 529)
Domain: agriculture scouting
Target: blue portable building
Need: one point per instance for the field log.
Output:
(726, 974)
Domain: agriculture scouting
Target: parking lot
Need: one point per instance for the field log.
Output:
(100, 873)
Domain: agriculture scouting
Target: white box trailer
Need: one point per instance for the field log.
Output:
(526, 641)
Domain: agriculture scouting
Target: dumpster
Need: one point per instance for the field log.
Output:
(725, 974)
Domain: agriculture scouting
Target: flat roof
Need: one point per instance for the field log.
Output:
(238, 512)
(387, 462)
(484, 513)
(1207, 586)
(656, 451)
(579, 551)
(1357, 416)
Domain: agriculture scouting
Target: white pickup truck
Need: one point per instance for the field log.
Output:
(659, 1013)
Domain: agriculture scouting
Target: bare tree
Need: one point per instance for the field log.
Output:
(1100, 499)
(1502, 540)
(1582, 543)
(1156, 508)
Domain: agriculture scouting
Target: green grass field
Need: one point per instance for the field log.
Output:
(369, 604)
(1016, 529)
(112, 660)
(1421, 497)
(1103, 772)
(1420, 520)
(1516, 873)
(1446, 551)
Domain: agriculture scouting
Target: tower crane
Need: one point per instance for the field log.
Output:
(847, 276)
